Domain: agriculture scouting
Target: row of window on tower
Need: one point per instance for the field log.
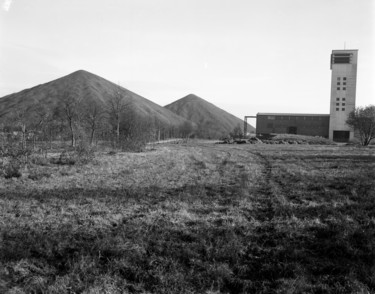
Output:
(342, 103)
(343, 83)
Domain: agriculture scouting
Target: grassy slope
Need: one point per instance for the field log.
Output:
(194, 219)
(86, 86)
(219, 122)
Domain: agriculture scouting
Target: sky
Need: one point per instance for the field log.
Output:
(244, 56)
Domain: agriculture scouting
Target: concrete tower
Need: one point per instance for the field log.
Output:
(343, 88)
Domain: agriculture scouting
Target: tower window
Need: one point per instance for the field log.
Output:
(343, 104)
(343, 109)
(337, 99)
(344, 78)
(337, 104)
(344, 83)
(343, 99)
(344, 88)
(338, 88)
(337, 109)
(341, 58)
(338, 78)
(338, 83)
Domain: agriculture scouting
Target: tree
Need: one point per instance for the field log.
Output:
(93, 116)
(40, 116)
(237, 132)
(116, 106)
(362, 119)
(27, 121)
(21, 118)
(186, 130)
(70, 110)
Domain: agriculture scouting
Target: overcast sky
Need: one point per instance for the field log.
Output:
(244, 56)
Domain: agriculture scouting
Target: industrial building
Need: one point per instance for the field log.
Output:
(292, 123)
(342, 101)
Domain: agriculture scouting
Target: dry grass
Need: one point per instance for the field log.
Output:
(193, 218)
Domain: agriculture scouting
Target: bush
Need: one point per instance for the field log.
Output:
(12, 158)
(12, 169)
(65, 158)
(133, 145)
(35, 176)
(83, 154)
(39, 160)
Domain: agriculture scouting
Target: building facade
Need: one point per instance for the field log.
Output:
(293, 123)
(342, 102)
(343, 93)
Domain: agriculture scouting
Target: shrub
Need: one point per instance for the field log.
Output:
(81, 155)
(85, 153)
(39, 160)
(12, 157)
(12, 169)
(136, 144)
(35, 176)
(15, 151)
(65, 158)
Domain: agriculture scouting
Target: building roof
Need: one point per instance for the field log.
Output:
(344, 50)
(292, 114)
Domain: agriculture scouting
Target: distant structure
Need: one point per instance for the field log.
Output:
(293, 123)
(343, 89)
(333, 126)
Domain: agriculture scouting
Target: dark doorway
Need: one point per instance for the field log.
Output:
(341, 136)
(292, 130)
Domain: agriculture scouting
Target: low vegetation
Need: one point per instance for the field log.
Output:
(236, 137)
(300, 139)
(192, 218)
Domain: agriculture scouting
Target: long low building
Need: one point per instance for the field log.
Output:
(293, 123)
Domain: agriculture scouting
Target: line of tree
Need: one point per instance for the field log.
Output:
(80, 119)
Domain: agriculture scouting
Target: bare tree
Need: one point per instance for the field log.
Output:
(93, 117)
(70, 110)
(20, 118)
(136, 130)
(362, 119)
(116, 107)
(40, 116)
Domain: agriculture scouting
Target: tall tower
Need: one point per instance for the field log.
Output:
(343, 88)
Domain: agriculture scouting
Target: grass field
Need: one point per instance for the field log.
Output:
(193, 218)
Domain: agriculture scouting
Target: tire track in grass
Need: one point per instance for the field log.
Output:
(230, 177)
(264, 192)
(239, 171)
(220, 181)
